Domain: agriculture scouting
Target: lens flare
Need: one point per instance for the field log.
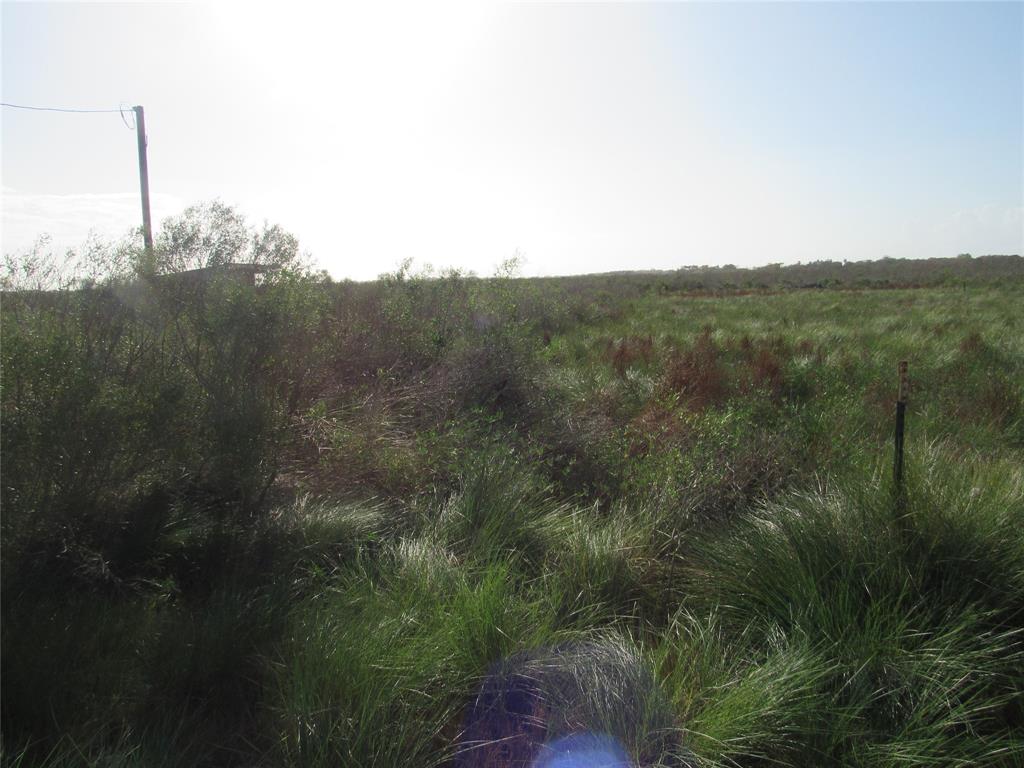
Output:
(582, 750)
(591, 704)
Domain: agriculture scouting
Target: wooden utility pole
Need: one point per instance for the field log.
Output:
(148, 262)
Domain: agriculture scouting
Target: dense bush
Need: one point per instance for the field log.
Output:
(124, 398)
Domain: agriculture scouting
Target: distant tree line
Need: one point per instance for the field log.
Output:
(881, 273)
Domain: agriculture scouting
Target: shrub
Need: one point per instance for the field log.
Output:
(121, 390)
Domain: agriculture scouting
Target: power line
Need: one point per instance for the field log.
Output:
(138, 122)
(56, 109)
(127, 110)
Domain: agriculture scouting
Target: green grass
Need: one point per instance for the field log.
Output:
(675, 520)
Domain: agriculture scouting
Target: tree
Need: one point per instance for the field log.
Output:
(213, 234)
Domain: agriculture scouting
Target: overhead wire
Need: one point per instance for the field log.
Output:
(126, 109)
(57, 109)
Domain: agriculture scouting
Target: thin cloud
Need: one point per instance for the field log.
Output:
(69, 219)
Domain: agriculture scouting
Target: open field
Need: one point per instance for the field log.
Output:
(439, 520)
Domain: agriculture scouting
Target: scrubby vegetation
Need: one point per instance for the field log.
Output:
(447, 520)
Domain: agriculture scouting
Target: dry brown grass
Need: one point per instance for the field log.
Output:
(626, 352)
(657, 427)
(766, 371)
(973, 344)
(999, 401)
(698, 375)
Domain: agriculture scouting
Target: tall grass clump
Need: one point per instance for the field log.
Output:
(746, 697)
(914, 617)
(501, 511)
(379, 668)
(615, 567)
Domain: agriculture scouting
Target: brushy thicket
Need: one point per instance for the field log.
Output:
(442, 520)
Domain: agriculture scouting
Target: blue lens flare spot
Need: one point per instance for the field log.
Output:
(582, 750)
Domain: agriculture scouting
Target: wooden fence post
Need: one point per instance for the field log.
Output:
(901, 410)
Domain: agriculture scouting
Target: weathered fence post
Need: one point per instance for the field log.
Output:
(901, 410)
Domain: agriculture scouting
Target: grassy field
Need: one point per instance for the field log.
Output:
(437, 520)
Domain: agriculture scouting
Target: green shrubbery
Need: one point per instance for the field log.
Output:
(123, 401)
(310, 524)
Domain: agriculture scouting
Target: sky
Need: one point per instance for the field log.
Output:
(580, 137)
